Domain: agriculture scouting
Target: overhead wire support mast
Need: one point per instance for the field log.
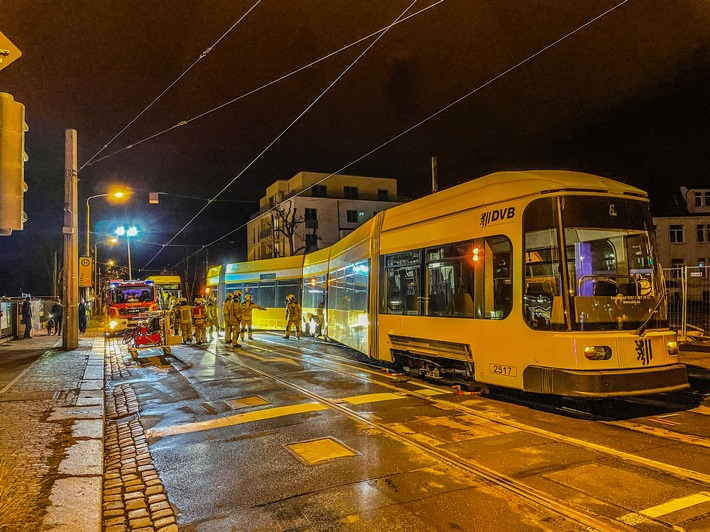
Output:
(253, 91)
(436, 113)
(286, 129)
(202, 56)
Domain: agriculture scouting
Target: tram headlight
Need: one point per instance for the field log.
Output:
(112, 324)
(597, 352)
(672, 348)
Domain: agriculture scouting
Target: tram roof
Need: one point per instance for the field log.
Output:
(500, 187)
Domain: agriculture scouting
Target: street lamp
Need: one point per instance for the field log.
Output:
(131, 231)
(118, 195)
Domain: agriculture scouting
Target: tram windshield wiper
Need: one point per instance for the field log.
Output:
(644, 325)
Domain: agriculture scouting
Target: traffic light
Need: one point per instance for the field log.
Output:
(12, 164)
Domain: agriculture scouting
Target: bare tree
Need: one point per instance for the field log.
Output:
(285, 222)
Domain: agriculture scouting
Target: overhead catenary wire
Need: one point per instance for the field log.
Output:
(200, 58)
(262, 87)
(428, 118)
(285, 130)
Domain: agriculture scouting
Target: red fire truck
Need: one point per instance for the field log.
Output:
(127, 302)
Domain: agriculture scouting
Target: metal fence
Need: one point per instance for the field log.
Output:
(689, 299)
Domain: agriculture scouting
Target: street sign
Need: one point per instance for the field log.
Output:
(8, 51)
(85, 272)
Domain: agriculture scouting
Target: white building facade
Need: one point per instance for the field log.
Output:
(317, 210)
(683, 236)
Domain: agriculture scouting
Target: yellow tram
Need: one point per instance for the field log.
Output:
(545, 281)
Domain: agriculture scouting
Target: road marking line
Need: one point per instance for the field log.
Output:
(237, 419)
(676, 504)
(371, 398)
(636, 518)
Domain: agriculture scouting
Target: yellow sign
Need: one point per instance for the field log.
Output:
(86, 271)
(8, 51)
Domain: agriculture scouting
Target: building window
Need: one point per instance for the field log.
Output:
(351, 216)
(698, 199)
(319, 191)
(311, 218)
(383, 194)
(707, 198)
(350, 192)
(676, 234)
(311, 242)
(703, 233)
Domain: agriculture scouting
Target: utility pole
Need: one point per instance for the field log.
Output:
(434, 175)
(71, 243)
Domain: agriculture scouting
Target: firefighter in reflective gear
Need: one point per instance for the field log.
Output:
(175, 316)
(211, 320)
(293, 316)
(199, 316)
(185, 310)
(236, 318)
(227, 317)
(247, 307)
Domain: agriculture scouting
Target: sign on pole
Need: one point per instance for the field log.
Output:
(86, 269)
(8, 51)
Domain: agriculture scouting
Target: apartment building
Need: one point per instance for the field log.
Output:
(682, 222)
(311, 211)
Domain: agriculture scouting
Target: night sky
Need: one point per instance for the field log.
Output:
(625, 97)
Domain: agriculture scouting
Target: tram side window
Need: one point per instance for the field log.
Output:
(498, 300)
(449, 278)
(402, 283)
(284, 288)
(252, 289)
(266, 294)
(541, 304)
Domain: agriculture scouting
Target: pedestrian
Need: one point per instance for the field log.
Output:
(27, 317)
(293, 316)
(82, 316)
(247, 307)
(57, 312)
(198, 318)
(236, 318)
(227, 317)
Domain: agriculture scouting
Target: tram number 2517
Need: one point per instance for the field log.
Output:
(500, 369)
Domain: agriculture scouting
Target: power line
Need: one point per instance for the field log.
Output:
(436, 113)
(200, 58)
(283, 132)
(264, 86)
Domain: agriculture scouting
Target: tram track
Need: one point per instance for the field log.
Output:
(663, 433)
(591, 522)
(268, 349)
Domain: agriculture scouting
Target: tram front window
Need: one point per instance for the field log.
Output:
(612, 278)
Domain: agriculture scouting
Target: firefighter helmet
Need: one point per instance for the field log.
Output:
(247, 297)
(230, 295)
(290, 297)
